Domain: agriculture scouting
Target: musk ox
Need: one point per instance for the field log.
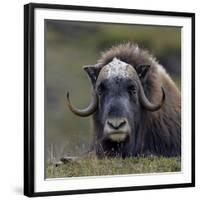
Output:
(135, 106)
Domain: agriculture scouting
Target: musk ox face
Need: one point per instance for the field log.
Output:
(117, 101)
(119, 107)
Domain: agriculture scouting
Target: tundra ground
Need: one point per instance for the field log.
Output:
(113, 166)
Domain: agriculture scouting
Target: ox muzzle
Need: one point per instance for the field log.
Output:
(117, 129)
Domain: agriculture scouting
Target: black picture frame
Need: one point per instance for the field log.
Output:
(29, 95)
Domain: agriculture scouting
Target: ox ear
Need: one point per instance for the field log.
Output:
(142, 70)
(92, 72)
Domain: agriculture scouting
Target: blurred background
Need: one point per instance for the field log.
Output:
(71, 45)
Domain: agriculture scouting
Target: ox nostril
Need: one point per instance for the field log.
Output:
(116, 124)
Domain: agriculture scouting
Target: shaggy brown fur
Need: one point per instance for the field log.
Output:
(160, 131)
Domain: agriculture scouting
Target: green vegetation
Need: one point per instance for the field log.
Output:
(113, 166)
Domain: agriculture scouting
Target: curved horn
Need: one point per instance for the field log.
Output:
(87, 111)
(146, 103)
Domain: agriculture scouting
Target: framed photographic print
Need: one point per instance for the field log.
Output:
(108, 99)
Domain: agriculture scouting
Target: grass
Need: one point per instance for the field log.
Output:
(113, 166)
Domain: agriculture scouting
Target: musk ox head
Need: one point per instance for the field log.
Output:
(117, 100)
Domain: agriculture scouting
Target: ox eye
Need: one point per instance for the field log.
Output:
(131, 89)
(101, 89)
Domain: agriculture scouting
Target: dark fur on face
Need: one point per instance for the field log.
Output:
(146, 133)
(118, 99)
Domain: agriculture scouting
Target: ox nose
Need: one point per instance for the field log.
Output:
(116, 124)
(117, 129)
